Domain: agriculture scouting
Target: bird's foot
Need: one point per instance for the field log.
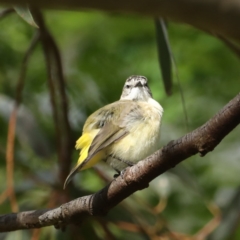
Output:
(119, 174)
(116, 174)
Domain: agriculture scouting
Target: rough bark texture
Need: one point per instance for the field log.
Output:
(202, 140)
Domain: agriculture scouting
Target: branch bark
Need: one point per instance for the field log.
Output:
(202, 140)
(220, 17)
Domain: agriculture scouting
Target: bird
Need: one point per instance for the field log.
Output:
(121, 133)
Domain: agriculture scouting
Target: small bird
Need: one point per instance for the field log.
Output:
(121, 133)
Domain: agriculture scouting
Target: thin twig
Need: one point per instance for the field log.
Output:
(58, 96)
(233, 46)
(12, 127)
(10, 160)
(181, 92)
(36, 234)
(6, 12)
(212, 224)
(22, 75)
(3, 196)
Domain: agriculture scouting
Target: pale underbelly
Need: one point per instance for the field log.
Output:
(137, 145)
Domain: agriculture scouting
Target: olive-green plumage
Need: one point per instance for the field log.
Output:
(121, 133)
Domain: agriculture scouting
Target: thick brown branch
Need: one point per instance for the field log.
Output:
(216, 16)
(202, 140)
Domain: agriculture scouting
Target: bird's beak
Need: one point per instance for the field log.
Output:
(139, 84)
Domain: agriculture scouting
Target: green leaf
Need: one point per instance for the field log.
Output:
(25, 13)
(164, 54)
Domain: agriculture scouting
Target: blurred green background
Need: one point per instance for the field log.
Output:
(99, 51)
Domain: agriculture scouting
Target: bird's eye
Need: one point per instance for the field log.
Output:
(127, 86)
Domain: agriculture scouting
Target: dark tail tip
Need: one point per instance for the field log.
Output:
(70, 176)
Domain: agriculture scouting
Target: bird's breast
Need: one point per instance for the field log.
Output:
(144, 134)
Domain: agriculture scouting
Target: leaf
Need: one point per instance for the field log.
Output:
(164, 54)
(25, 13)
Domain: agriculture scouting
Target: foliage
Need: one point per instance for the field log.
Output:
(99, 51)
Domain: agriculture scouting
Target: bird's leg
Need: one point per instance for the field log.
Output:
(117, 174)
(121, 173)
(129, 163)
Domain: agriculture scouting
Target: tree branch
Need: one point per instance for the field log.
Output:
(220, 17)
(202, 140)
(56, 83)
(6, 12)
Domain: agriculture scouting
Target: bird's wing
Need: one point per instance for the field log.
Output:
(109, 134)
(104, 127)
(113, 121)
(109, 120)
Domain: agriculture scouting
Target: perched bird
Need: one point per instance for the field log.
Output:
(121, 133)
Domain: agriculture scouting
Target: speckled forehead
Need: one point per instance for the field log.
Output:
(136, 79)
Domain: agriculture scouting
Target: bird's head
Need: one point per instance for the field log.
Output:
(136, 88)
